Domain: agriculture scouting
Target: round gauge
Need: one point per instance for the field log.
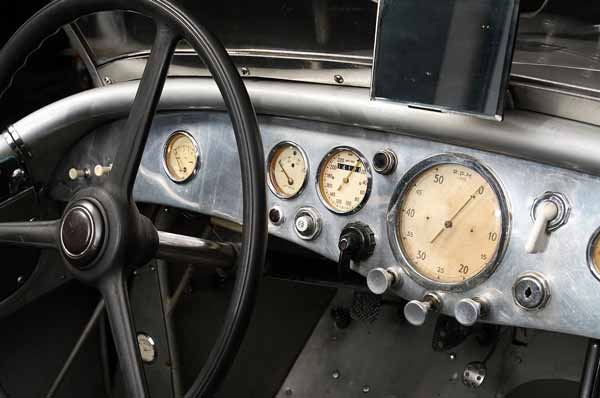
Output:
(181, 158)
(593, 254)
(344, 180)
(288, 169)
(450, 222)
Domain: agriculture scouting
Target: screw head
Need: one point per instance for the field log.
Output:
(336, 374)
(339, 79)
(366, 389)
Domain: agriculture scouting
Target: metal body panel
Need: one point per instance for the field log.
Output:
(216, 191)
(50, 131)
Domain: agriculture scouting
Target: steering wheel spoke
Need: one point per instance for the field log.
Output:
(129, 154)
(40, 234)
(187, 249)
(114, 290)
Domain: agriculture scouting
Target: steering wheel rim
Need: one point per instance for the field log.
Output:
(117, 212)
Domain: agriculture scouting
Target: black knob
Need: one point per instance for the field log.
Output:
(357, 243)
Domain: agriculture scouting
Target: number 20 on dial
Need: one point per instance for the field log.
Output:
(450, 223)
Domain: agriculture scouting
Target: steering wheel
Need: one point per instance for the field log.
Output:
(102, 236)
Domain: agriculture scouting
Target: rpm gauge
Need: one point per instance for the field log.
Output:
(288, 169)
(181, 158)
(344, 180)
(450, 223)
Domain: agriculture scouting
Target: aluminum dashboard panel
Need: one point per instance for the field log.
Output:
(216, 190)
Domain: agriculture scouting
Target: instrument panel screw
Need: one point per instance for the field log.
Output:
(339, 79)
(452, 356)
(107, 80)
(20, 280)
(288, 391)
(366, 389)
(245, 71)
(336, 374)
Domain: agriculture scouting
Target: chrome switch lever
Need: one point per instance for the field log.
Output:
(416, 312)
(546, 212)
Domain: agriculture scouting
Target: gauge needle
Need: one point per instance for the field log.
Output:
(346, 179)
(448, 224)
(178, 161)
(290, 180)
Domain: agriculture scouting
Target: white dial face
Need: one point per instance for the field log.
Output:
(449, 223)
(344, 181)
(287, 170)
(181, 157)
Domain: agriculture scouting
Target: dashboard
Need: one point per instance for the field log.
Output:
(469, 233)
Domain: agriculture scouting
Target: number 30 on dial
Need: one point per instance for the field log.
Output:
(450, 222)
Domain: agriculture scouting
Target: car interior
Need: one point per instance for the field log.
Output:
(287, 198)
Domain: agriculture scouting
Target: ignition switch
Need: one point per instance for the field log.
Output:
(357, 243)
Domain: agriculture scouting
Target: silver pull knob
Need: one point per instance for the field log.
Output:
(468, 311)
(76, 173)
(100, 170)
(416, 311)
(379, 280)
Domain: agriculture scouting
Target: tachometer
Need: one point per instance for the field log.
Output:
(181, 158)
(450, 222)
(344, 180)
(288, 169)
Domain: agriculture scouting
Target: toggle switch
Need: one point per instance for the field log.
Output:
(356, 243)
(549, 212)
(546, 212)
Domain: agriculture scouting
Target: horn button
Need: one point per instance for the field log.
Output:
(81, 233)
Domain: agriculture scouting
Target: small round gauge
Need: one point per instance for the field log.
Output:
(450, 222)
(344, 180)
(181, 158)
(593, 254)
(288, 169)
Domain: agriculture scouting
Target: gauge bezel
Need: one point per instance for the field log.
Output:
(589, 256)
(368, 172)
(392, 216)
(270, 182)
(164, 157)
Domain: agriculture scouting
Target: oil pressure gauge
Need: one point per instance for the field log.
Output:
(344, 180)
(287, 170)
(449, 222)
(181, 158)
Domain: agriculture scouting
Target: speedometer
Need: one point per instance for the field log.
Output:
(450, 222)
(344, 180)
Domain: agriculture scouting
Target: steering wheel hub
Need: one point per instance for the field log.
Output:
(81, 233)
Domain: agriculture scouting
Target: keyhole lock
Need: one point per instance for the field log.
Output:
(531, 291)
